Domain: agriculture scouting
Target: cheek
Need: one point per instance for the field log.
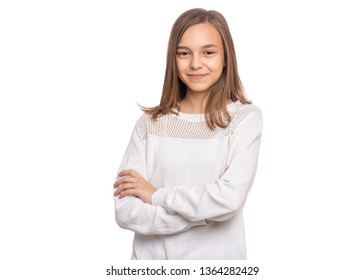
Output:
(182, 66)
(217, 65)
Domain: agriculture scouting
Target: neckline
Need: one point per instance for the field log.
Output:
(201, 117)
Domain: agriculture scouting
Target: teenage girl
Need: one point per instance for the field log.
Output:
(192, 159)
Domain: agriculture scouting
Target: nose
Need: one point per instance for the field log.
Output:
(196, 62)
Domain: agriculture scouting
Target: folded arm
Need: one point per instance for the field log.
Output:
(134, 214)
(220, 200)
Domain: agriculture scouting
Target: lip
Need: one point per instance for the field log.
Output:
(197, 77)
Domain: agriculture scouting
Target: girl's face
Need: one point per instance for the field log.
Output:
(200, 58)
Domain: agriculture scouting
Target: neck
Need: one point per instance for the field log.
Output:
(194, 103)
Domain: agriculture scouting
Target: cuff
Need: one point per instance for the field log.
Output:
(159, 197)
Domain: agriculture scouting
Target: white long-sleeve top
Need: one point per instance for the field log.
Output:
(202, 177)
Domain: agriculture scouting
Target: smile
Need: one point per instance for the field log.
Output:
(197, 76)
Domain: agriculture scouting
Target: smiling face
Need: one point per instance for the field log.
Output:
(200, 58)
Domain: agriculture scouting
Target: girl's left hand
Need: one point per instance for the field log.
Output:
(131, 183)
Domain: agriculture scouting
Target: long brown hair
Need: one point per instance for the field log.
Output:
(228, 87)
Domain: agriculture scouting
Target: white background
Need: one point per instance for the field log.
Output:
(71, 75)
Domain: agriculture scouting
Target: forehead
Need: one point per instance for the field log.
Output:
(200, 35)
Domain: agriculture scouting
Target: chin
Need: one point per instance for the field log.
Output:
(198, 89)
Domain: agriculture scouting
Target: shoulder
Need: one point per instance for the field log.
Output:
(239, 111)
(243, 115)
(144, 119)
(142, 124)
(147, 125)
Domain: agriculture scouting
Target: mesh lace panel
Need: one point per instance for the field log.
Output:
(171, 125)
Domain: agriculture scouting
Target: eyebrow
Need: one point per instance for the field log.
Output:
(203, 47)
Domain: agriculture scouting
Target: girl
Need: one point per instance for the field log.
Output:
(191, 160)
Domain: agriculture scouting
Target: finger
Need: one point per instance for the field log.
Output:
(117, 183)
(125, 172)
(128, 186)
(119, 191)
(124, 180)
(129, 172)
(125, 187)
(127, 192)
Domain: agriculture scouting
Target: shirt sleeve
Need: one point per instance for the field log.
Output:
(220, 200)
(132, 213)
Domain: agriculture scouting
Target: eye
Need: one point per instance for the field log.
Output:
(183, 54)
(209, 52)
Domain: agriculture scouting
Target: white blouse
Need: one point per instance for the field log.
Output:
(202, 177)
